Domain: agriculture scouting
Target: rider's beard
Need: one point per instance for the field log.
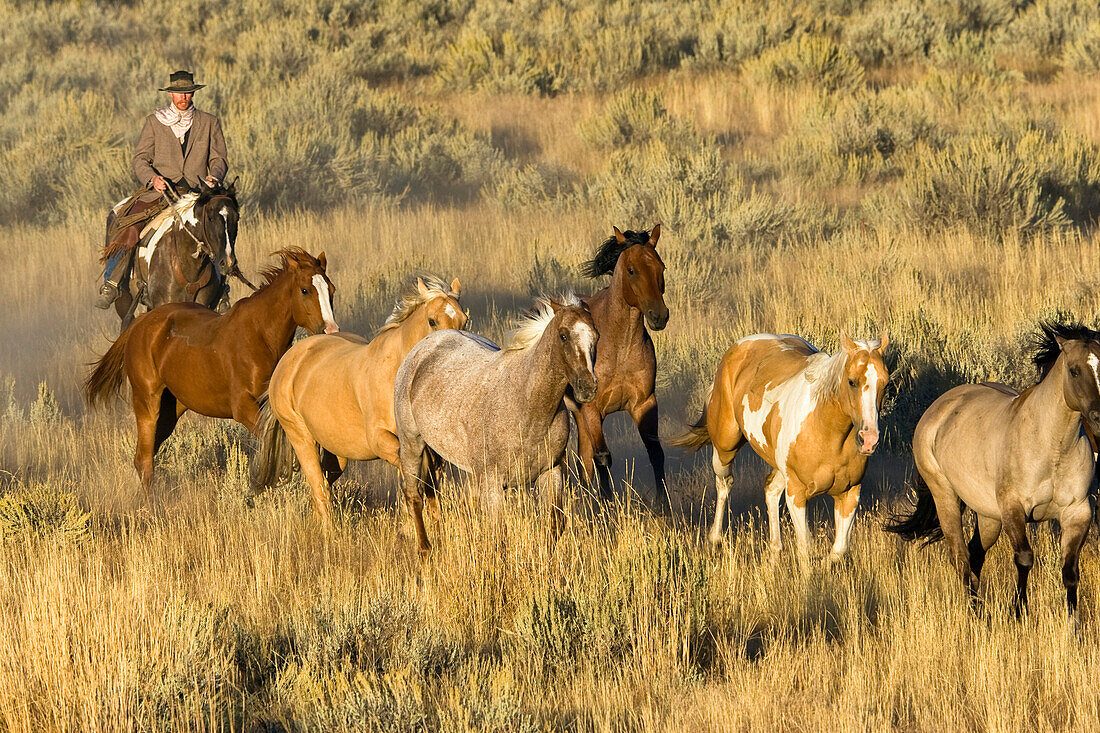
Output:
(182, 105)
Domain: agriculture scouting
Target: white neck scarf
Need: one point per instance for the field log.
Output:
(178, 122)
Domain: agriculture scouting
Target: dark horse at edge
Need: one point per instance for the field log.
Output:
(185, 254)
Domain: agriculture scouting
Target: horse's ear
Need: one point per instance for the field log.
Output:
(322, 261)
(554, 305)
(233, 186)
(654, 236)
(1061, 341)
(456, 287)
(619, 236)
(421, 287)
(884, 341)
(847, 343)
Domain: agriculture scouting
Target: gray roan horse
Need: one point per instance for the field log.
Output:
(185, 253)
(499, 415)
(1013, 459)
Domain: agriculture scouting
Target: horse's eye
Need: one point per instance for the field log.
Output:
(431, 322)
(562, 336)
(305, 291)
(630, 270)
(851, 382)
(1074, 372)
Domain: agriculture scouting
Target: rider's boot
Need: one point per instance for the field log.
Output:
(118, 267)
(223, 303)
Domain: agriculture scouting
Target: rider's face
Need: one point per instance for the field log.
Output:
(181, 100)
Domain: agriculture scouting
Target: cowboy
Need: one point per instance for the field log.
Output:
(179, 147)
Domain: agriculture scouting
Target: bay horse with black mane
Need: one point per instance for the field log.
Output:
(626, 364)
(183, 356)
(1013, 458)
(185, 253)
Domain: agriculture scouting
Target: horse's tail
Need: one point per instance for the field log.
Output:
(922, 522)
(697, 435)
(275, 462)
(108, 373)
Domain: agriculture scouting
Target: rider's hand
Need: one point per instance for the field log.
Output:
(159, 183)
(211, 181)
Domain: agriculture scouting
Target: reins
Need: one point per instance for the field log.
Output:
(203, 247)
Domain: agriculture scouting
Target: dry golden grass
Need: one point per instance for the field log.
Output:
(224, 616)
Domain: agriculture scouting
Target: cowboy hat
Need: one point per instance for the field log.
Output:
(181, 82)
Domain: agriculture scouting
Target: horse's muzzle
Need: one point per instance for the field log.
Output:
(585, 391)
(868, 441)
(656, 318)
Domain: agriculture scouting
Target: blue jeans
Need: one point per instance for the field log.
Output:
(112, 261)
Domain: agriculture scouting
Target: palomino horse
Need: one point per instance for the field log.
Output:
(185, 253)
(497, 414)
(1013, 458)
(337, 391)
(626, 365)
(811, 416)
(182, 356)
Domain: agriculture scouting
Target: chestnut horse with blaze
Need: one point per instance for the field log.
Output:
(812, 416)
(183, 356)
(336, 392)
(626, 364)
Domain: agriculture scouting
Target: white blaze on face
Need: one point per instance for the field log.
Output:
(228, 244)
(325, 301)
(585, 337)
(450, 311)
(868, 399)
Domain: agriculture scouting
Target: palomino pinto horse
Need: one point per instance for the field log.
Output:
(496, 414)
(183, 356)
(188, 263)
(1013, 458)
(626, 365)
(811, 416)
(337, 391)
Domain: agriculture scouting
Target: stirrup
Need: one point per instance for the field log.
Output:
(108, 293)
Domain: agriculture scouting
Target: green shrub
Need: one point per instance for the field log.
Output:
(1083, 53)
(891, 34)
(741, 31)
(43, 510)
(808, 60)
(1042, 30)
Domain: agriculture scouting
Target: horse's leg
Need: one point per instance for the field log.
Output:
(986, 532)
(645, 417)
(146, 404)
(430, 471)
(411, 458)
(844, 516)
(1015, 526)
(773, 493)
(1075, 520)
(599, 470)
(585, 449)
(170, 411)
(305, 447)
(332, 465)
(551, 484)
(721, 461)
(796, 504)
(246, 411)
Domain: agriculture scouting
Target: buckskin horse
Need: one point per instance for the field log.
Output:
(496, 414)
(337, 392)
(1012, 458)
(626, 364)
(185, 253)
(183, 356)
(811, 416)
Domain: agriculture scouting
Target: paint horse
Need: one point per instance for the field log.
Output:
(183, 356)
(337, 392)
(813, 417)
(1013, 458)
(626, 365)
(185, 253)
(497, 414)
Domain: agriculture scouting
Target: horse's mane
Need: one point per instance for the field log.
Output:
(607, 254)
(410, 300)
(1044, 344)
(825, 371)
(183, 206)
(530, 326)
(286, 256)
